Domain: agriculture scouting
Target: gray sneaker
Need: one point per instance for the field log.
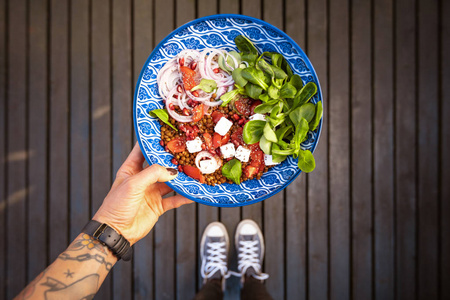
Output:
(214, 248)
(250, 248)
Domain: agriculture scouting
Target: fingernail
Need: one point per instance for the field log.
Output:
(172, 171)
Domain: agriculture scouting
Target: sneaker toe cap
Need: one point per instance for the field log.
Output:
(248, 229)
(215, 231)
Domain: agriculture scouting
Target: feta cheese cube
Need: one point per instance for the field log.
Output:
(243, 154)
(260, 117)
(223, 126)
(194, 145)
(227, 150)
(268, 160)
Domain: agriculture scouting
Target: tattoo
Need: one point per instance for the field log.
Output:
(86, 256)
(69, 274)
(59, 290)
(88, 242)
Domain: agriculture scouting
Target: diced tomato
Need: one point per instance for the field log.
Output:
(195, 129)
(208, 140)
(254, 147)
(198, 112)
(177, 145)
(225, 138)
(194, 172)
(216, 116)
(188, 77)
(183, 127)
(236, 137)
(256, 157)
(242, 106)
(254, 104)
(191, 131)
(262, 166)
(217, 140)
(250, 171)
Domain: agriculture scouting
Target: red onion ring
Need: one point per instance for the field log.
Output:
(176, 116)
(205, 154)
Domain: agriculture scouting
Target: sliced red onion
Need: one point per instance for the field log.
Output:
(182, 101)
(189, 56)
(199, 99)
(168, 77)
(212, 104)
(176, 116)
(215, 164)
(220, 91)
(207, 66)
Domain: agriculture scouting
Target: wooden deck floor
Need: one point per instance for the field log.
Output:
(371, 222)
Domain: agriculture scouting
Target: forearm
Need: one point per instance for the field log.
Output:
(77, 273)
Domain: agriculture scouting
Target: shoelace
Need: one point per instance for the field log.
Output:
(248, 257)
(215, 260)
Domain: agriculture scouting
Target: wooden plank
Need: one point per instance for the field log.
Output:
(164, 252)
(274, 207)
(143, 34)
(339, 147)
(122, 137)
(37, 138)
(3, 113)
(101, 157)
(79, 116)
(186, 245)
(17, 153)
(296, 195)
(186, 252)
(58, 202)
(230, 217)
(142, 47)
(317, 180)
(445, 149)
(361, 150)
(253, 9)
(206, 8)
(205, 214)
(164, 232)
(405, 149)
(229, 7)
(428, 95)
(383, 111)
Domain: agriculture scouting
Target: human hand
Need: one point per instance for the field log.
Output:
(134, 203)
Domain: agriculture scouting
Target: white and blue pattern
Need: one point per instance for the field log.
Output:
(218, 31)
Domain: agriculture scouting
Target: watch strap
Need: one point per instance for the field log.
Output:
(109, 237)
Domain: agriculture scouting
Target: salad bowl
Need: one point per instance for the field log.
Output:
(218, 31)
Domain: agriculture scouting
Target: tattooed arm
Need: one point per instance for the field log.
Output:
(77, 273)
(132, 207)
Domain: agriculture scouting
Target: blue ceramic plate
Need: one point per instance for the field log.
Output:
(218, 31)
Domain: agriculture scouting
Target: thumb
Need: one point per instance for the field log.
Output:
(154, 173)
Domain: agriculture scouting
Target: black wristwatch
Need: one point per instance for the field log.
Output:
(119, 245)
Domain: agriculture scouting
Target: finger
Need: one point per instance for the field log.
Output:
(163, 188)
(174, 202)
(154, 173)
(132, 165)
(134, 162)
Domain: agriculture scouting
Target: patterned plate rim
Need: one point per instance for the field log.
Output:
(231, 16)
